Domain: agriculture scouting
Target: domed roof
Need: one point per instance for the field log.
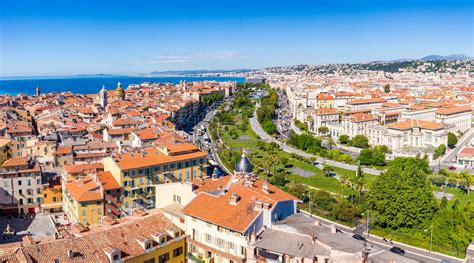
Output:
(243, 165)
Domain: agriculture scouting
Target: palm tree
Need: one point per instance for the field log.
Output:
(358, 181)
(327, 170)
(269, 161)
(344, 180)
(468, 180)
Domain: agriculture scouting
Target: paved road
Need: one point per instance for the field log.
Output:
(449, 159)
(266, 137)
(419, 254)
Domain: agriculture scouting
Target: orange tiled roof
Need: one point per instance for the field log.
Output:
(79, 168)
(454, 109)
(151, 157)
(409, 124)
(326, 111)
(217, 209)
(15, 161)
(92, 244)
(84, 189)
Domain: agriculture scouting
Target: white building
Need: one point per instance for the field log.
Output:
(409, 133)
(220, 220)
(457, 118)
(362, 104)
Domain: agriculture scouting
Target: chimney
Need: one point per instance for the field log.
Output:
(234, 199)
(253, 237)
(265, 188)
(333, 229)
(266, 205)
(258, 204)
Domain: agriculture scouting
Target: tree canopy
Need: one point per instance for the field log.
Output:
(360, 141)
(402, 196)
(452, 140)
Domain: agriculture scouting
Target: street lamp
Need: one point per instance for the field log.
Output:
(367, 223)
(431, 235)
(309, 202)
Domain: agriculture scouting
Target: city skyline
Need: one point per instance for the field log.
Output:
(55, 38)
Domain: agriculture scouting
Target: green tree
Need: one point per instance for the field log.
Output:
(344, 139)
(327, 170)
(441, 150)
(271, 161)
(452, 140)
(323, 130)
(360, 141)
(467, 180)
(402, 195)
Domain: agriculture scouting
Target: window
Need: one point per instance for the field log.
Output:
(220, 242)
(188, 178)
(141, 180)
(164, 258)
(208, 238)
(151, 260)
(5, 184)
(177, 199)
(84, 212)
(19, 182)
(133, 172)
(180, 165)
(125, 173)
(157, 168)
(38, 181)
(178, 251)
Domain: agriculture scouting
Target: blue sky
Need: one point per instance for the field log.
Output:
(39, 38)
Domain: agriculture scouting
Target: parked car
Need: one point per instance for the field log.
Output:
(397, 250)
(359, 237)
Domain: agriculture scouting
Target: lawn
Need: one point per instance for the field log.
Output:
(457, 194)
(236, 138)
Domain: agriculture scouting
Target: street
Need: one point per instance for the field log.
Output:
(289, 149)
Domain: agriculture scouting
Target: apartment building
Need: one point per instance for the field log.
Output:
(357, 124)
(5, 150)
(142, 237)
(138, 172)
(322, 117)
(88, 199)
(416, 112)
(458, 119)
(362, 104)
(22, 187)
(221, 219)
(409, 133)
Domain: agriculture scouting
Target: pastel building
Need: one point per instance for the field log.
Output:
(221, 219)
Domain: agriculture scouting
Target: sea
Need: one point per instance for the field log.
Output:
(91, 84)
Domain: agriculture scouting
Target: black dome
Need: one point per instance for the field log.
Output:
(243, 165)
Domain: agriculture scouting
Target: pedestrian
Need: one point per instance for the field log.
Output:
(384, 239)
(391, 241)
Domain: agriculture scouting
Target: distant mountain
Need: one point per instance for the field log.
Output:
(197, 72)
(449, 57)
